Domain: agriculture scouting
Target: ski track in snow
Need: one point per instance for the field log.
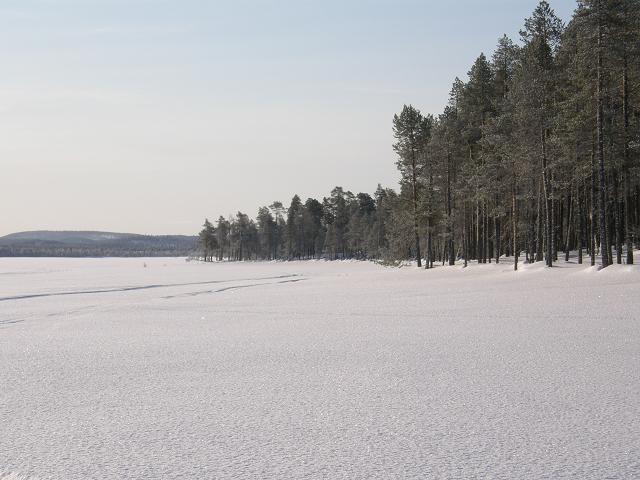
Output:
(110, 369)
(126, 289)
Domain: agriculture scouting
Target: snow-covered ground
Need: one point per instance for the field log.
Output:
(110, 369)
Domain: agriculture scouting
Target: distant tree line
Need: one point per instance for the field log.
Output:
(94, 252)
(342, 225)
(535, 154)
(95, 244)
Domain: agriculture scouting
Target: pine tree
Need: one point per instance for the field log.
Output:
(408, 130)
(208, 240)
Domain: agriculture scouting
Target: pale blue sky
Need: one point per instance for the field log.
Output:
(148, 115)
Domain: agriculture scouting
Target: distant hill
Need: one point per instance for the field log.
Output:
(95, 244)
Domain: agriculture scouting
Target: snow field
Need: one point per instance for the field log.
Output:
(110, 369)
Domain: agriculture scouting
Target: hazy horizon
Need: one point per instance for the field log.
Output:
(121, 117)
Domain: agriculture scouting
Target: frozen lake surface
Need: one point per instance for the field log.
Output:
(110, 369)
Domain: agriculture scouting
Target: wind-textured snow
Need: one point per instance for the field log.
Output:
(110, 369)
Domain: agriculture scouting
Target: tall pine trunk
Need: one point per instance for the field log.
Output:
(539, 234)
(451, 253)
(497, 238)
(592, 213)
(617, 219)
(478, 246)
(414, 181)
(580, 224)
(626, 174)
(428, 257)
(487, 251)
(602, 198)
(465, 241)
(567, 244)
(547, 203)
(514, 224)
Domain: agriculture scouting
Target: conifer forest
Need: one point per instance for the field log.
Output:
(535, 156)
